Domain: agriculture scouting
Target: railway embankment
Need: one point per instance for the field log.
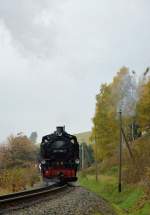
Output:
(135, 196)
(76, 201)
(107, 187)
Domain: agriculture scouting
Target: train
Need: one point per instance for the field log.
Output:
(59, 154)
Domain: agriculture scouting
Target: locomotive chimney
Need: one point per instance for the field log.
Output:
(59, 130)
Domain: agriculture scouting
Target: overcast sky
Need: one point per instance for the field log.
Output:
(54, 54)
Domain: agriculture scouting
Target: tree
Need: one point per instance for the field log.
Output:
(18, 158)
(17, 151)
(121, 93)
(104, 123)
(143, 106)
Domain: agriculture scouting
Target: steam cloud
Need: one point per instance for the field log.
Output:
(32, 24)
(128, 95)
(73, 46)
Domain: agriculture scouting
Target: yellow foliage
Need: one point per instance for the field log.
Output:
(137, 171)
(106, 127)
(143, 106)
(18, 157)
(18, 179)
(17, 151)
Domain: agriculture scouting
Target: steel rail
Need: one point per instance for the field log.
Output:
(26, 192)
(7, 201)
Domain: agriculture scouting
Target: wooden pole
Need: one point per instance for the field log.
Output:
(120, 153)
(82, 155)
(96, 163)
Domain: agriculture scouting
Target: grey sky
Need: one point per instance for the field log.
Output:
(54, 54)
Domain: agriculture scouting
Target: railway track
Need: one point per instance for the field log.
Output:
(19, 200)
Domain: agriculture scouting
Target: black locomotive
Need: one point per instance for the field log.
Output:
(59, 156)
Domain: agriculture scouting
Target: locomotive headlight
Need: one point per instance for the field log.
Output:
(77, 161)
(43, 162)
(40, 167)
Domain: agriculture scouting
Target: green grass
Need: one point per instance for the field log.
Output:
(122, 202)
(118, 210)
(144, 211)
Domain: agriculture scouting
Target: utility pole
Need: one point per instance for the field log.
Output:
(120, 152)
(96, 163)
(82, 155)
(132, 131)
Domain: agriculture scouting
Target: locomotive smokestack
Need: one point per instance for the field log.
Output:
(59, 130)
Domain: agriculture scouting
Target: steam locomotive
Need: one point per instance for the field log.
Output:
(59, 157)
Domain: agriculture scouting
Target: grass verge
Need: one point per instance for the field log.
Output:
(124, 202)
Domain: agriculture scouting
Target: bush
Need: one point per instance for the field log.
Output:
(138, 170)
(18, 179)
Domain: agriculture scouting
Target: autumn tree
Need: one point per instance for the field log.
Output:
(18, 151)
(18, 159)
(121, 93)
(143, 106)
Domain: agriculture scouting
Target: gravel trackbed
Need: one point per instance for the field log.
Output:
(76, 201)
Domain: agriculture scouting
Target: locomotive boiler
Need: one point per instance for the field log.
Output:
(59, 157)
